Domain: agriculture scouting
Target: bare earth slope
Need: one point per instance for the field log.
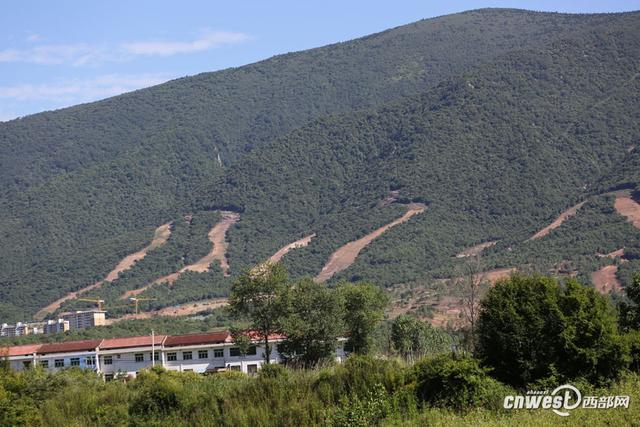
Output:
(475, 250)
(347, 254)
(160, 237)
(628, 207)
(178, 310)
(217, 236)
(605, 280)
(297, 244)
(558, 221)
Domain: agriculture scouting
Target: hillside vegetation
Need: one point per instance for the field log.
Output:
(497, 119)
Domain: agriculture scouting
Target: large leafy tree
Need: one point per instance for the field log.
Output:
(413, 338)
(531, 328)
(630, 310)
(313, 324)
(257, 296)
(364, 306)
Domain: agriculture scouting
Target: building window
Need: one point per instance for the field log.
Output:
(156, 356)
(108, 360)
(218, 352)
(58, 363)
(252, 351)
(89, 361)
(139, 357)
(203, 354)
(187, 370)
(44, 363)
(26, 364)
(108, 377)
(172, 357)
(252, 369)
(75, 361)
(187, 355)
(234, 352)
(235, 368)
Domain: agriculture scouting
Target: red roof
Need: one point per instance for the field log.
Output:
(19, 350)
(127, 342)
(193, 339)
(69, 346)
(256, 336)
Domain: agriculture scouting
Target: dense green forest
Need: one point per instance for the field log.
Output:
(496, 119)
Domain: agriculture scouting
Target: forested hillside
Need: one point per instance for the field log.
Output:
(496, 119)
(495, 153)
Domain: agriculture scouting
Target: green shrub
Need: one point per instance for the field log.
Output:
(456, 383)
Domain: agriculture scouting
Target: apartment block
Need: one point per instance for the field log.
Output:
(85, 319)
(56, 326)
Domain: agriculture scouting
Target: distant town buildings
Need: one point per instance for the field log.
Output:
(68, 321)
(20, 329)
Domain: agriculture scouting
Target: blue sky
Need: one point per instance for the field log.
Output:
(60, 53)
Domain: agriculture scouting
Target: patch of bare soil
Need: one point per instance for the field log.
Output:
(217, 236)
(297, 244)
(558, 221)
(160, 237)
(174, 311)
(347, 254)
(475, 250)
(605, 280)
(629, 208)
(444, 300)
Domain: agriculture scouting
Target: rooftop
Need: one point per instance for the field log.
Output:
(127, 342)
(202, 338)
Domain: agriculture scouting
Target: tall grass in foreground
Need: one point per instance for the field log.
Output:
(362, 392)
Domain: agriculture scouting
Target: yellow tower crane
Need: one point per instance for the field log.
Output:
(136, 301)
(98, 302)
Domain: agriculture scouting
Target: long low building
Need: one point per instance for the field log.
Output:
(113, 357)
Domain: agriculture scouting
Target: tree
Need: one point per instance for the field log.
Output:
(531, 328)
(474, 286)
(313, 324)
(414, 338)
(591, 346)
(257, 296)
(241, 340)
(630, 310)
(363, 307)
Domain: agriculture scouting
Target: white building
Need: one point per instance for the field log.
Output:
(19, 329)
(200, 353)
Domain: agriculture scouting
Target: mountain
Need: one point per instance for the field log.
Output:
(495, 119)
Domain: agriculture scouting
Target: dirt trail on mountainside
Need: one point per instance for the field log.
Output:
(614, 254)
(347, 254)
(629, 208)
(558, 221)
(177, 310)
(217, 236)
(297, 244)
(160, 237)
(605, 280)
(475, 250)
